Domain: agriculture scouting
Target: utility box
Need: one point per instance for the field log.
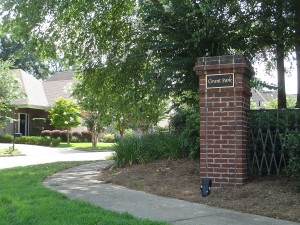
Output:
(17, 135)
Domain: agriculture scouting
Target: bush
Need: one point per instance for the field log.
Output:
(148, 148)
(292, 146)
(34, 140)
(64, 135)
(268, 135)
(75, 139)
(56, 134)
(6, 138)
(55, 142)
(86, 136)
(22, 140)
(186, 124)
(109, 138)
(45, 141)
(46, 133)
(77, 135)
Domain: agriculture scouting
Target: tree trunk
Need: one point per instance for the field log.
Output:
(296, 7)
(95, 136)
(68, 136)
(298, 75)
(280, 76)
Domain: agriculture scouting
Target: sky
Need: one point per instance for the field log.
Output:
(290, 77)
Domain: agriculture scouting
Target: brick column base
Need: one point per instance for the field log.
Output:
(223, 118)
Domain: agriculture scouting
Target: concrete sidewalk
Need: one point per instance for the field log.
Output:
(80, 183)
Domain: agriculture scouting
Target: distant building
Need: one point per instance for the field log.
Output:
(39, 97)
(261, 97)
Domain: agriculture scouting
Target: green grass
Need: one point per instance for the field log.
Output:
(9, 151)
(25, 201)
(87, 146)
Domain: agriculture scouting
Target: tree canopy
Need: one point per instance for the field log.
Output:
(65, 114)
(22, 57)
(126, 45)
(9, 90)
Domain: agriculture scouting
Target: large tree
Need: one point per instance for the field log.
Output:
(80, 32)
(177, 33)
(22, 56)
(102, 35)
(269, 28)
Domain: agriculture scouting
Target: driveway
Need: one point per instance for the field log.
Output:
(34, 154)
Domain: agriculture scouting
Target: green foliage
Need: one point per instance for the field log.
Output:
(290, 103)
(64, 114)
(6, 138)
(55, 142)
(75, 139)
(23, 56)
(37, 204)
(148, 148)
(109, 138)
(46, 141)
(292, 146)
(9, 150)
(34, 140)
(78, 135)
(186, 124)
(86, 136)
(9, 90)
(269, 129)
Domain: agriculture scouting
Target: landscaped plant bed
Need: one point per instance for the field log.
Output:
(272, 197)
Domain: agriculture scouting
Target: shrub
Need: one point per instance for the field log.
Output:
(75, 139)
(6, 138)
(33, 140)
(186, 124)
(56, 134)
(86, 136)
(268, 135)
(46, 133)
(109, 138)
(191, 135)
(22, 140)
(45, 141)
(292, 146)
(77, 135)
(147, 148)
(64, 135)
(55, 142)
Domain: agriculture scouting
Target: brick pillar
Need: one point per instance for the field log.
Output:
(224, 100)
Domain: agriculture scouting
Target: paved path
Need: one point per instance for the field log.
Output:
(80, 183)
(34, 154)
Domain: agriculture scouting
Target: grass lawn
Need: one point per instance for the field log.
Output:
(25, 201)
(9, 151)
(87, 146)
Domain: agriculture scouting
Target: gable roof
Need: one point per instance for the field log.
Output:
(58, 85)
(39, 94)
(261, 97)
(33, 89)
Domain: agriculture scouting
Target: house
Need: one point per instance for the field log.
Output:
(38, 99)
(262, 97)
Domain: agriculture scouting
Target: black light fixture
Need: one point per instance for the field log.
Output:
(205, 187)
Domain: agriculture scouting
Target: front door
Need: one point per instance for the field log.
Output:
(23, 124)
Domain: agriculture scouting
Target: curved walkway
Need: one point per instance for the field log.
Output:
(34, 154)
(80, 183)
